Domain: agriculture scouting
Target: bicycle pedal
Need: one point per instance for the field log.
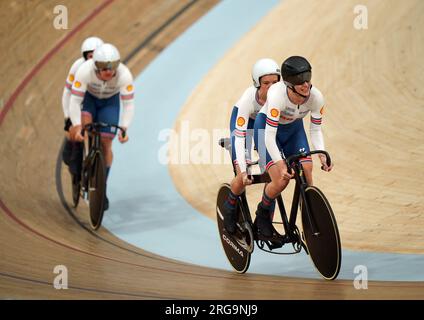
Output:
(276, 237)
(274, 244)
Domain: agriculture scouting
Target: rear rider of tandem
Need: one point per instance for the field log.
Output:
(265, 72)
(287, 104)
(100, 85)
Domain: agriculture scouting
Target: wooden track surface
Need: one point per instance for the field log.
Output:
(36, 231)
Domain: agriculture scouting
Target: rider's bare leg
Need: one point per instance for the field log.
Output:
(107, 150)
(271, 191)
(278, 182)
(230, 203)
(106, 141)
(237, 186)
(86, 118)
(307, 169)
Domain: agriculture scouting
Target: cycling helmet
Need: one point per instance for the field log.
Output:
(90, 44)
(296, 70)
(264, 67)
(106, 57)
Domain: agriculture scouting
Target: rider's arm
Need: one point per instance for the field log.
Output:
(315, 132)
(242, 120)
(271, 134)
(79, 87)
(272, 121)
(127, 98)
(66, 96)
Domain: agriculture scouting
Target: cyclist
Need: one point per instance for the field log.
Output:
(265, 72)
(72, 151)
(288, 102)
(100, 84)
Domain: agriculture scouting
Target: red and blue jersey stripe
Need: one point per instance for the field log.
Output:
(127, 96)
(271, 122)
(240, 133)
(78, 93)
(316, 121)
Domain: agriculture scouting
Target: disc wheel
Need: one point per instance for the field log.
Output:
(96, 190)
(325, 246)
(239, 246)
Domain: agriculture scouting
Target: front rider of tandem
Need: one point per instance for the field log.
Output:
(265, 72)
(72, 151)
(288, 102)
(100, 84)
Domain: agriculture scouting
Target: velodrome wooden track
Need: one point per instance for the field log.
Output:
(371, 80)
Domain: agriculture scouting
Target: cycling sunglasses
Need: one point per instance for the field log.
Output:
(109, 65)
(300, 78)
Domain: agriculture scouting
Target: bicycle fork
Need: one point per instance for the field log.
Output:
(86, 174)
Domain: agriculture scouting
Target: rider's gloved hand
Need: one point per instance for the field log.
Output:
(283, 169)
(324, 166)
(246, 180)
(75, 133)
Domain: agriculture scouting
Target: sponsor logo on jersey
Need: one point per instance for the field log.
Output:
(274, 112)
(240, 121)
(77, 84)
(71, 78)
(286, 118)
(130, 88)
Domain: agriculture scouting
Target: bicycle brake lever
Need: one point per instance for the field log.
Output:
(124, 133)
(327, 160)
(289, 169)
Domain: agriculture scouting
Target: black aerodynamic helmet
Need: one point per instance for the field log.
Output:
(296, 70)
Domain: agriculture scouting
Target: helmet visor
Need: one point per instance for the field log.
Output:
(299, 78)
(107, 65)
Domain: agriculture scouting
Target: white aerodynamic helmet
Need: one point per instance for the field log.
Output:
(264, 67)
(106, 57)
(91, 44)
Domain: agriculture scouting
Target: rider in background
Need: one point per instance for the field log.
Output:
(287, 104)
(265, 72)
(100, 85)
(72, 151)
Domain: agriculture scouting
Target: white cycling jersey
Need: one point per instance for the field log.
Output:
(281, 111)
(86, 80)
(66, 96)
(248, 107)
